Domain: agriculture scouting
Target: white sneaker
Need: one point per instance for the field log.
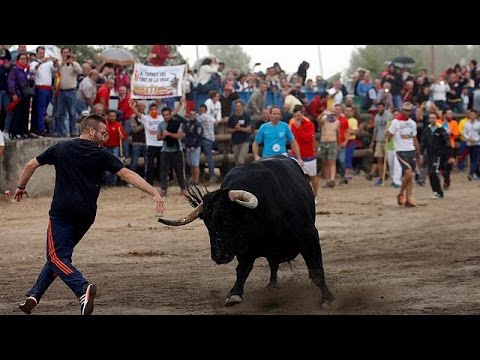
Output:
(86, 300)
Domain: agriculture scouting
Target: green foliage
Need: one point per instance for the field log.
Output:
(373, 57)
(233, 56)
(85, 52)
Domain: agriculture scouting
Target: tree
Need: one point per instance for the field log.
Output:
(233, 56)
(373, 57)
(85, 52)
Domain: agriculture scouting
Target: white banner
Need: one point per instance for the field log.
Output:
(156, 82)
(51, 51)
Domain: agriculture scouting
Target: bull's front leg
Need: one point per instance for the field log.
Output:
(235, 296)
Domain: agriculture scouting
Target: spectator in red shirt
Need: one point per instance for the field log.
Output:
(304, 132)
(343, 139)
(116, 133)
(103, 93)
(159, 54)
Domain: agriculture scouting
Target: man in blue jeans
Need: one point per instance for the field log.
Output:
(79, 165)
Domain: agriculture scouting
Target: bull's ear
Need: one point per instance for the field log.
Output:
(243, 198)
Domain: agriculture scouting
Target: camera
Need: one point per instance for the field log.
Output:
(442, 82)
(331, 117)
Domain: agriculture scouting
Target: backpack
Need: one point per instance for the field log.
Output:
(367, 102)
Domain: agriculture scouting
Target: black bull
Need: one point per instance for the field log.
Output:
(263, 208)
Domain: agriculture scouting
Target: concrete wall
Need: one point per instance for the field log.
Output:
(17, 154)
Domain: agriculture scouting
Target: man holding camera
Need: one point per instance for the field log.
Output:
(66, 101)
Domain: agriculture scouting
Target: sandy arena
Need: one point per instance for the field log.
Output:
(379, 258)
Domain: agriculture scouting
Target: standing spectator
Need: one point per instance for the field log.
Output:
(256, 102)
(14, 54)
(214, 107)
(103, 93)
(275, 135)
(394, 77)
(20, 79)
(159, 54)
(471, 133)
(394, 168)
(350, 147)
(379, 137)
(170, 131)
(404, 131)
(138, 139)
(303, 131)
(436, 142)
(116, 134)
(329, 141)
(5, 58)
(126, 114)
(226, 100)
(302, 72)
(193, 142)
(344, 133)
(439, 90)
(317, 106)
(208, 139)
(239, 125)
(44, 70)
(87, 92)
(121, 79)
(208, 76)
(66, 101)
(154, 146)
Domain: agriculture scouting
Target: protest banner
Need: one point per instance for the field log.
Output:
(156, 82)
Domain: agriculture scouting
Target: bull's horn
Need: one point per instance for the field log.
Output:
(186, 220)
(244, 198)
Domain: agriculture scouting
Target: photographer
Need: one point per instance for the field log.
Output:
(66, 101)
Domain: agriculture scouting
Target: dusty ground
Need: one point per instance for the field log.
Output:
(379, 258)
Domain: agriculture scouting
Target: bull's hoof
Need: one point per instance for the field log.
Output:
(233, 300)
(272, 285)
(327, 298)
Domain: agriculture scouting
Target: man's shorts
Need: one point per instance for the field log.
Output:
(379, 149)
(193, 157)
(310, 167)
(407, 159)
(328, 150)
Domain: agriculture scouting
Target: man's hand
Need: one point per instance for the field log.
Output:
(19, 193)
(159, 203)
(420, 160)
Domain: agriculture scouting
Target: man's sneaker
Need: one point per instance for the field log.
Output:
(86, 300)
(378, 182)
(28, 305)
(437, 195)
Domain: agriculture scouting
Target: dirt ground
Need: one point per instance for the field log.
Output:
(379, 258)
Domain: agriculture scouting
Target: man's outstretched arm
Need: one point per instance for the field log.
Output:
(26, 174)
(134, 179)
